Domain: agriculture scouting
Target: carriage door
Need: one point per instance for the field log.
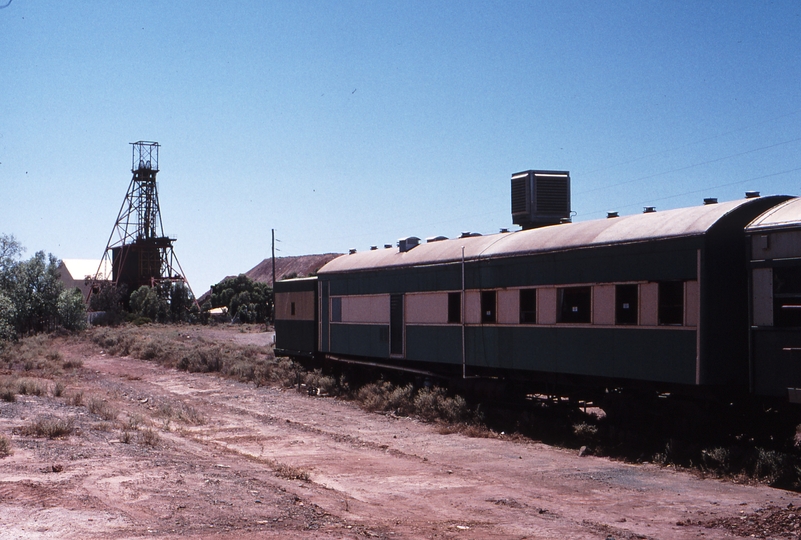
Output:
(324, 344)
(396, 325)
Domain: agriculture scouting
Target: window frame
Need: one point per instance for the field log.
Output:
(489, 306)
(454, 308)
(670, 312)
(566, 297)
(622, 307)
(528, 308)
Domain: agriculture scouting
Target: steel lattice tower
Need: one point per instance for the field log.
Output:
(138, 251)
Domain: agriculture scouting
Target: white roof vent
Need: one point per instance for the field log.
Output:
(408, 243)
(435, 239)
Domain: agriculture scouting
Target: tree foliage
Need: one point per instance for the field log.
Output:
(32, 297)
(72, 309)
(247, 301)
(167, 302)
(8, 316)
(108, 299)
(33, 287)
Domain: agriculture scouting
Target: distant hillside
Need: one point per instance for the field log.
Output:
(302, 266)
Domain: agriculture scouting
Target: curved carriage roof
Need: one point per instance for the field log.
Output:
(786, 215)
(681, 222)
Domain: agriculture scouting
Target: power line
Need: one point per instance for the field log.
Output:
(699, 141)
(690, 166)
(706, 189)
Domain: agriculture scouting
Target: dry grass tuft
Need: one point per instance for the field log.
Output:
(48, 426)
(181, 412)
(148, 437)
(289, 472)
(5, 447)
(31, 387)
(102, 408)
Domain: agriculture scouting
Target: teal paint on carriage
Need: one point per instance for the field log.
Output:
(360, 339)
(673, 259)
(296, 336)
(439, 344)
(661, 355)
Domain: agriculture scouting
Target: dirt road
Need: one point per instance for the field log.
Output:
(206, 457)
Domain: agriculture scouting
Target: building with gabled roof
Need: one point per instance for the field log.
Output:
(81, 272)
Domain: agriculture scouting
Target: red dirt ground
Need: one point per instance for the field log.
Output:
(369, 475)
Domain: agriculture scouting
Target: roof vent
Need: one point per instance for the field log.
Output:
(408, 243)
(540, 198)
(611, 215)
(465, 234)
(387, 246)
(504, 230)
(435, 239)
(351, 251)
(751, 194)
(648, 209)
(373, 248)
(711, 200)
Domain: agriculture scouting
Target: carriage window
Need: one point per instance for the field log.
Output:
(787, 296)
(455, 307)
(575, 305)
(528, 306)
(336, 309)
(671, 302)
(292, 309)
(626, 297)
(488, 306)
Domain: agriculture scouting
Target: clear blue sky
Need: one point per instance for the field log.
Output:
(346, 124)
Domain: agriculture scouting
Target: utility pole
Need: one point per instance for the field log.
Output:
(273, 307)
(273, 231)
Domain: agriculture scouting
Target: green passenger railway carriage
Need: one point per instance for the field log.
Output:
(661, 300)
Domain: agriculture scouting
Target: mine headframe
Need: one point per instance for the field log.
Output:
(138, 251)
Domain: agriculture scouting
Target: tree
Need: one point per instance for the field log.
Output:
(8, 316)
(182, 303)
(108, 298)
(72, 309)
(10, 250)
(34, 290)
(147, 302)
(167, 302)
(247, 301)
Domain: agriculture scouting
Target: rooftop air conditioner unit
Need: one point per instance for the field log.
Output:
(540, 198)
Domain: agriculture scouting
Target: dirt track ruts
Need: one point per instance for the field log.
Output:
(369, 475)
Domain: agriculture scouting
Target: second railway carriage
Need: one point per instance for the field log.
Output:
(658, 298)
(774, 248)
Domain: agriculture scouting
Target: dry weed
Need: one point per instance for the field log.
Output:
(149, 437)
(102, 408)
(291, 473)
(5, 447)
(48, 426)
